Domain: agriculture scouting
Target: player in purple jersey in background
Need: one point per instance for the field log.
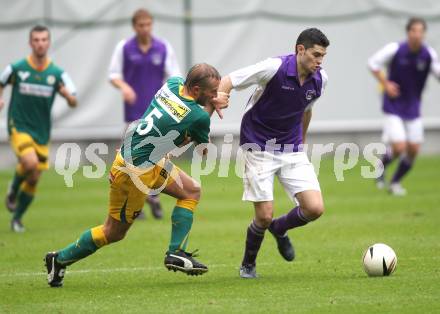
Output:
(408, 64)
(139, 67)
(274, 126)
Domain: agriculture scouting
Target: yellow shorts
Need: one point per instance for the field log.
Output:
(22, 144)
(129, 186)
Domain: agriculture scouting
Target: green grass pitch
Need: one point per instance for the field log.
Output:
(326, 277)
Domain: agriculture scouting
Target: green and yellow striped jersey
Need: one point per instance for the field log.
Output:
(32, 97)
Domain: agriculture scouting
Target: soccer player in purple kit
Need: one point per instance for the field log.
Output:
(408, 64)
(274, 124)
(139, 67)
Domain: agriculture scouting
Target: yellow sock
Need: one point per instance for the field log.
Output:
(98, 236)
(189, 204)
(25, 196)
(19, 170)
(28, 189)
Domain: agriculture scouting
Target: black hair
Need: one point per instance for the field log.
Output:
(415, 20)
(310, 37)
(38, 29)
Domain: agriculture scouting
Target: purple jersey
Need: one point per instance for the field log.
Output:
(275, 110)
(410, 71)
(144, 72)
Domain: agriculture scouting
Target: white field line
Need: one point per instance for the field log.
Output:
(159, 268)
(114, 270)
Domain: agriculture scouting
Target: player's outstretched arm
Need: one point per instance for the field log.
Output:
(225, 85)
(257, 74)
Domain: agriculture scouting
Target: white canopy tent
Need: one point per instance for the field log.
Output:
(227, 34)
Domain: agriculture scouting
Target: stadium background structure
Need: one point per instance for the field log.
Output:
(227, 34)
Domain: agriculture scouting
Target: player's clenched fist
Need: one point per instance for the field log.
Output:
(220, 102)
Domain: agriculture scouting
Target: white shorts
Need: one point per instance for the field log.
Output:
(398, 130)
(294, 171)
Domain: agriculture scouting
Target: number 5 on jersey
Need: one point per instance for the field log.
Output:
(146, 126)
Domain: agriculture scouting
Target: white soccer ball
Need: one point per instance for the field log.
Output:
(379, 260)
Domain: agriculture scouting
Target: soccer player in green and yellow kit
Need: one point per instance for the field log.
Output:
(174, 118)
(35, 81)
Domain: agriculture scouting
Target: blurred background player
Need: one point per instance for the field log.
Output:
(174, 118)
(408, 64)
(35, 81)
(276, 120)
(139, 67)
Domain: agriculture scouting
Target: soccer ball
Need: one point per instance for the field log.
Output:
(379, 260)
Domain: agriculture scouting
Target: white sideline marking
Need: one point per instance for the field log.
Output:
(112, 270)
(149, 269)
